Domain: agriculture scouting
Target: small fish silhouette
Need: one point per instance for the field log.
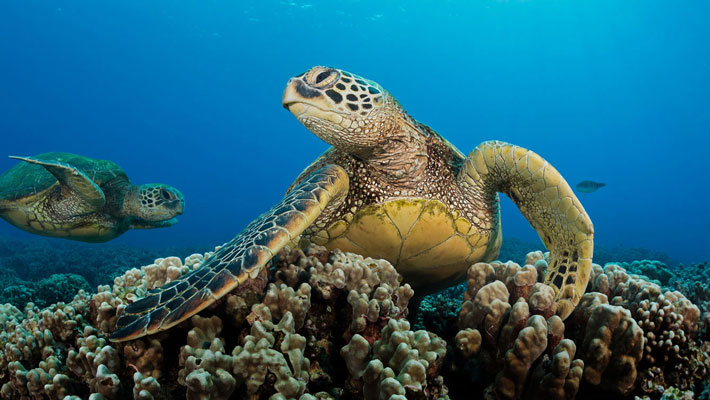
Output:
(589, 186)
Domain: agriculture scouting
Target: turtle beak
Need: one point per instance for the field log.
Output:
(293, 96)
(179, 206)
(303, 100)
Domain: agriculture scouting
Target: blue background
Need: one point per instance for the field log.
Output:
(188, 93)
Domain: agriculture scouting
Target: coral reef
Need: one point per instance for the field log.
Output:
(516, 249)
(629, 335)
(321, 324)
(44, 271)
(55, 288)
(651, 270)
(400, 363)
(673, 354)
(694, 282)
(438, 312)
(38, 258)
(280, 348)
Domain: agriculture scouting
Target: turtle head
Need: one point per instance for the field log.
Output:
(349, 112)
(155, 203)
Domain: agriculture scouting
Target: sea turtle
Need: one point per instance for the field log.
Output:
(389, 187)
(75, 197)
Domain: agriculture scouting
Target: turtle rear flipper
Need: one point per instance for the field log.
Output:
(234, 263)
(547, 202)
(73, 179)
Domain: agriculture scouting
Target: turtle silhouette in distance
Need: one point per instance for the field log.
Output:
(80, 198)
(389, 187)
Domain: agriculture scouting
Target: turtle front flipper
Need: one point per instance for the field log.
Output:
(547, 202)
(236, 261)
(75, 180)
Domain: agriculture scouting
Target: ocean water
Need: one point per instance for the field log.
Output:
(189, 94)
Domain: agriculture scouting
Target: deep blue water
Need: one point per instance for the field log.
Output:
(188, 93)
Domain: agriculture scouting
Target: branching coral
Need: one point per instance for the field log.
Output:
(282, 298)
(56, 352)
(402, 362)
(145, 388)
(205, 366)
(371, 287)
(529, 345)
(669, 322)
(96, 362)
(520, 333)
(559, 375)
(146, 356)
(612, 347)
(260, 355)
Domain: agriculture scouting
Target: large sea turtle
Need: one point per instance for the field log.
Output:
(389, 187)
(75, 197)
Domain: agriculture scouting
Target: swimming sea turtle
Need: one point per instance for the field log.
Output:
(75, 197)
(390, 187)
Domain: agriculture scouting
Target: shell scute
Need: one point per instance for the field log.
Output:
(25, 179)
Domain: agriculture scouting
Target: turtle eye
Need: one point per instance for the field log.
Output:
(325, 78)
(165, 194)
